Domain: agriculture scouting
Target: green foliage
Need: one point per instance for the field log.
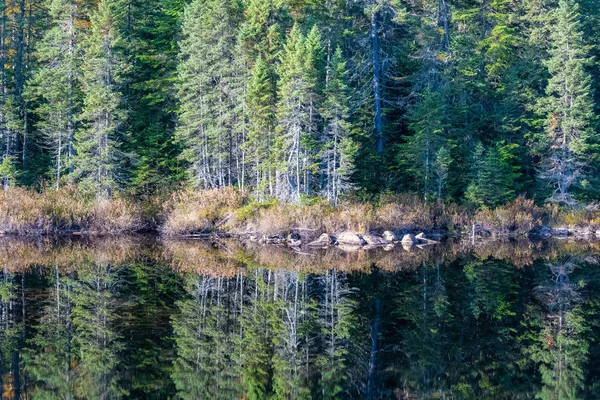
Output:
(493, 176)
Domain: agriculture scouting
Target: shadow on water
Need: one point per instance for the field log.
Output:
(141, 318)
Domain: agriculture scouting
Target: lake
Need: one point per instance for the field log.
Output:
(142, 318)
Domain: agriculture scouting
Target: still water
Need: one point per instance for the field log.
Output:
(140, 318)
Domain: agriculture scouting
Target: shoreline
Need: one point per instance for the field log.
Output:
(220, 213)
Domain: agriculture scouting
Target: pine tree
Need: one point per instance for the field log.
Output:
(338, 148)
(98, 161)
(55, 84)
(260, 103)
(568, 104)
(207, 93)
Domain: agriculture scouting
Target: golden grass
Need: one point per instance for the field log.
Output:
(200, 211)
(24, 211)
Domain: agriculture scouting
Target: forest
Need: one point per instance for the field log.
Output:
(474, 102)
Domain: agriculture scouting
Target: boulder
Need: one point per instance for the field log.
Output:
(598, 234)
(389, 247)
(373, 240)
(421, 239)
(408, 246)
(323, 241)
(350, 248)
(390, 236)
(350, 238)
(409, 239)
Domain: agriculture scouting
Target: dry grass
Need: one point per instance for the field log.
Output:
(24, 211)
(200, 211)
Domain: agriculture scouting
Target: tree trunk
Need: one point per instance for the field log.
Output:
(377, 79)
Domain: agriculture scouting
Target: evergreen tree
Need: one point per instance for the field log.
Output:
(494, 177)
(292, 118)
(260, 103)
(338, 147)
(419, 152)
(568, 104)
(55, 84)
(99, 159)
(151, 34)
(207, 94)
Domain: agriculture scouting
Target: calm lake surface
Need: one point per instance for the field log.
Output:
(141, 318)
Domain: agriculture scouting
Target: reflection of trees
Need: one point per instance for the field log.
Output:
(561, 346)
(336, 320)
(12, 315)
(48, 363)
(263, 334)
(206, 336)
(424, 305)
(95, 309)
(74, 353)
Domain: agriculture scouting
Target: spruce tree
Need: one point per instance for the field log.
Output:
(418, 153)
(99, 158)
(292, 117)
(494, 177)
(206, 87)
(568, 104)
(338, 148)
(260, 103)
(55, 87)
(151, 33)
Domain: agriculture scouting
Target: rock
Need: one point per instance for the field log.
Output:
(373, 240)
(544, 232)
(421, 239)
(389, 247)
(323, 241)
(350, 238)
(408, 246)
(390, 236)
(598, 234)
(294, 243)
(409, 239)
(350, 248)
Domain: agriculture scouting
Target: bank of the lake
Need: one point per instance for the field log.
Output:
(228, 212)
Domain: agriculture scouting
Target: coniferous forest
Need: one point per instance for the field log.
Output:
(475, 102)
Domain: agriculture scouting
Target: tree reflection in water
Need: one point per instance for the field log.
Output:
(144, 319)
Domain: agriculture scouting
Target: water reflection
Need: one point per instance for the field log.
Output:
(139, 318)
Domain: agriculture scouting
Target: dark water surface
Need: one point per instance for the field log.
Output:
(137, 318)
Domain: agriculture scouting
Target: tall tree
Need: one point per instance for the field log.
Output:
(55, 84)
(206, 87)
(339, 149)
(568, 104)
(98, 141)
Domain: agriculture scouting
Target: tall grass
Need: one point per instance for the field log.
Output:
(25, 211)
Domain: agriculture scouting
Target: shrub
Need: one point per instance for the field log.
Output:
(519, 217)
